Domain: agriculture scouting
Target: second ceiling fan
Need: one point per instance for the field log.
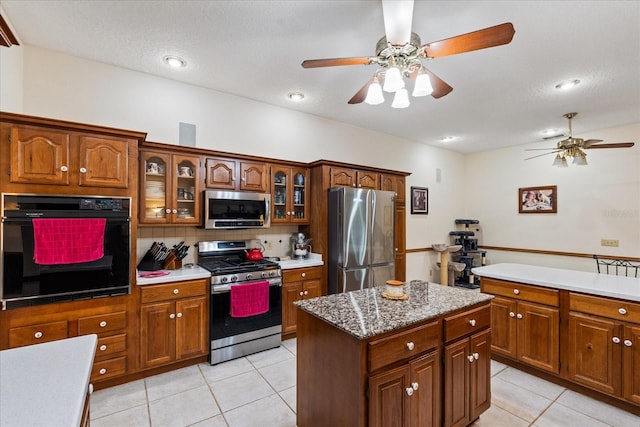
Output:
(400, 53)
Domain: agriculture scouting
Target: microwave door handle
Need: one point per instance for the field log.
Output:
(267, 218)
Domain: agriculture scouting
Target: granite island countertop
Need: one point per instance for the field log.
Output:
(365, 313)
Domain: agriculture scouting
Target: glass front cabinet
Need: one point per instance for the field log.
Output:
(290, 193)
(169, 188)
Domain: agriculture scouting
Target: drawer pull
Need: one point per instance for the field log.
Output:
(622, 311)
(176, 291)
(512, 314)
(516, 291)
(409, 391)
(476, 356)
(414, 386)
(471, 358)
(615, 340)
(519, 316)
(38, 334)
(172, 316)
(103, 324)
(103, 347)
(410, 345)
(472, 322)
(628, 343)
(103, 371)
(304, 274)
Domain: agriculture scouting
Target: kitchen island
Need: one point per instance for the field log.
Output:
(367, 360)
(47, 384)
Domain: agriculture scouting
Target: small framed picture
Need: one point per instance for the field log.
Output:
(538, 199)
(419, 200)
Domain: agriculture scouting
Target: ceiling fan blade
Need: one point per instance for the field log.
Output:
(440, 87)
(545, 154)
(397, 15)
(361, 94)
(481, 39)
(589, 142)
(615, 145)
(333, 62)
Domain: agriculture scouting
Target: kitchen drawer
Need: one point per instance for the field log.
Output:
(102, 323)
(300, 274)
(171, 291)
(403, 345)
(611, 308)
(467, 323)
(35, 334)
(108, 368)
(520, 291)
(107, 347)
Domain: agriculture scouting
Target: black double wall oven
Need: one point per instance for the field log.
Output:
(27, 283)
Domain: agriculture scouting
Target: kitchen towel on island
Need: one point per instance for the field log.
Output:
(68, 241)
(250, 299)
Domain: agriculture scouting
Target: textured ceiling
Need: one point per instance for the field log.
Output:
(502, 96)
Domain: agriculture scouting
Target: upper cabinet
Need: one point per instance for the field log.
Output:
(169, 188)
(395, 183)
(76, 158)
(240, 175)
(290, 194)
(342, 177)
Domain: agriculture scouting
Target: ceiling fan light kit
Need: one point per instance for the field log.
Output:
(374, 93)
(401, 99)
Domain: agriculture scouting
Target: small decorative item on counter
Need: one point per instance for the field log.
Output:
(395, 290)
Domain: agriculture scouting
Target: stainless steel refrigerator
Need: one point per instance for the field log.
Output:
(361, 239)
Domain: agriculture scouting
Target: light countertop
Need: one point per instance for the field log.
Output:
(313, 260)
(572, 280)
(46, 384)
(178, 275)
(365, 313)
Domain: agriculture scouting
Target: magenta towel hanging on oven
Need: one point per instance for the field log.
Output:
(68, 241)
(250, 299)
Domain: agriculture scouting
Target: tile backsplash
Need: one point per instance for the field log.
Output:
(274, 239)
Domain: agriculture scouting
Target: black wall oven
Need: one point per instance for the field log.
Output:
(26, 283)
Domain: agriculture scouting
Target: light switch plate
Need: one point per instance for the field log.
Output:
(609, 242)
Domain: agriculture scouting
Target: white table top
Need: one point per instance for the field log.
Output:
(46, 384)
(572, 280)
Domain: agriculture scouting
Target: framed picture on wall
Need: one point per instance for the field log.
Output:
(419, 200)
(538, 199)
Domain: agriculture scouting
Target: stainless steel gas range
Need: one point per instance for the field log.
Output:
(233, 337)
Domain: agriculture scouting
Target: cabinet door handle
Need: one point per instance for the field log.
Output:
(512, 314)
(168, 210)
(176, 291)
(471, 358)
(410, 345)
(622, 311)
(172, 316)
(516, 291)
(472, 322)
(628, 343)
(414, 386)
(103, 371)
(103, 324)
(615, 340)
(409, 391)
(103, 347)
(476, 356)
(83, 170)
(306, 293)
(179, 315)
(38, 334)
(174, 211)
(64, 168)
(519, 316)
(301, 293)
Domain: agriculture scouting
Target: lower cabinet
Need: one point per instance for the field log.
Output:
(173, 322)
(297, 284)
(408, 395)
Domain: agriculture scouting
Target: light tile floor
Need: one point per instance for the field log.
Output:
(260, 390)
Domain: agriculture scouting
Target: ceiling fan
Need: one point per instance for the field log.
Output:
(572, 147)
(399, 54)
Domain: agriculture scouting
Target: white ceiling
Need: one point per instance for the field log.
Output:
(502, 96)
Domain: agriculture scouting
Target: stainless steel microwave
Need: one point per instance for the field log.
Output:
(236, 209)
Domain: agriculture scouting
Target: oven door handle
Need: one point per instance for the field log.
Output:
(226, 288)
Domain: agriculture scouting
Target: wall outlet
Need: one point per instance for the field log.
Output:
(609, 242)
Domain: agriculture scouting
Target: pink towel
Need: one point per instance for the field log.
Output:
(68, 241)
(250, 299)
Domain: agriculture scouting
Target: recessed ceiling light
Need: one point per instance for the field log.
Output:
(296, 96)
(447, 138)
(174, 61)
(567, 84)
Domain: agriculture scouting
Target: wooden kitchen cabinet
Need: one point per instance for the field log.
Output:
(604, 345)
(169, 188)
(56, 157)
(173, 322)
(289, 195)
(525, 321)
(389, 182)
(467, 366)
(297, 284)
(239, 175)
(343, 177)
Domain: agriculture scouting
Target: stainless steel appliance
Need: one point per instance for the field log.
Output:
(233, 337)
(236, 209)
(300, 246)
(361, 240)
(25, 283)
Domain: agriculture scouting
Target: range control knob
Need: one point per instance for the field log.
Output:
(234, 278)
(249, 276)
(272, 273)
(224, 279)
(263, 274)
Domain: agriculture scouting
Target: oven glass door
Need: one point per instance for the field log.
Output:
(224, 326)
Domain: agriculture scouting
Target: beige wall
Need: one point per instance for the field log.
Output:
(597, 201)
